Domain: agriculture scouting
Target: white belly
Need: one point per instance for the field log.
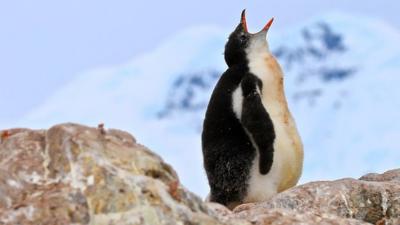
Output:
(285, 170)
(288, 150)
(287, 158)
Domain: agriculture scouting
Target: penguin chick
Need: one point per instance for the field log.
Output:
(250, 143)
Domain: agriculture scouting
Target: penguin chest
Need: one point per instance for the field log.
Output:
(288, 151)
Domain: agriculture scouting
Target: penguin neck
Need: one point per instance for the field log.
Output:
(238, 71)
(264, 65)
(241, 67)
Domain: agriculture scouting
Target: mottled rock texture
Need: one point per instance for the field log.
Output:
(373, 199)
(73, 174)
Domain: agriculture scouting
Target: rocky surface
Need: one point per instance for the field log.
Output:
(373, 199)
(72, 174)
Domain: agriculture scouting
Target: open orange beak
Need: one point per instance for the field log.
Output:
(244, 23)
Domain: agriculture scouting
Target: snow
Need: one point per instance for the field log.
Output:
(341, 83)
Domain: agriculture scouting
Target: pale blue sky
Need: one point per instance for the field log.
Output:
(45, 43)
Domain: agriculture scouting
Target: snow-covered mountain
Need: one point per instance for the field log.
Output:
(342, 74)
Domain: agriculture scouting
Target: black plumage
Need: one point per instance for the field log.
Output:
(230, 143)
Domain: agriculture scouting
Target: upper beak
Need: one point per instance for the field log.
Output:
(243, 21)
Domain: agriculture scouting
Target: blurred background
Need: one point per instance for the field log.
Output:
(149, 67)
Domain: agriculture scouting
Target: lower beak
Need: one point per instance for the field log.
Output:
(266, 28)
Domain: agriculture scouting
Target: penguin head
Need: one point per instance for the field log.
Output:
(243, 45)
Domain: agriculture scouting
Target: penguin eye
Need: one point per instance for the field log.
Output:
(243, 38)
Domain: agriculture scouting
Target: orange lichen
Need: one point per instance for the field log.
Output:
(174, 189)
(5, 135)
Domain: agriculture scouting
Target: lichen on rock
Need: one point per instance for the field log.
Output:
(73, 174)
(372, 199)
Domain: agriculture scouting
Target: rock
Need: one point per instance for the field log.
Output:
(289, 217)
(388, 176)
(372, 199)
(72, 174)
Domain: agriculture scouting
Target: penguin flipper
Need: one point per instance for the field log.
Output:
(257, 122)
